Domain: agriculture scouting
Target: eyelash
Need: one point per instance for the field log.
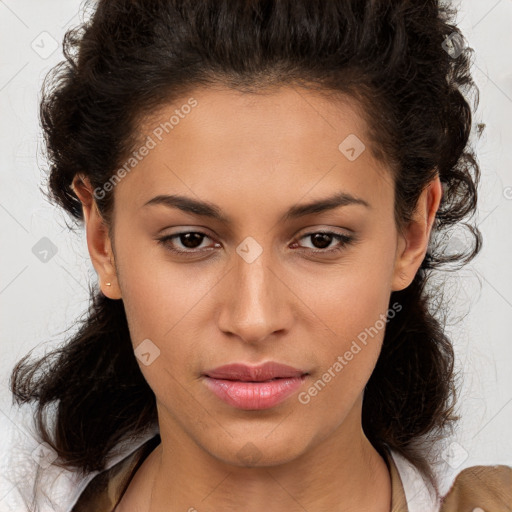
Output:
(344, 241)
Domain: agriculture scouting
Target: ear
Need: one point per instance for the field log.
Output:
(98, 240)
(413, 242)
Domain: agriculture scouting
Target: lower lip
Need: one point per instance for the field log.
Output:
(254, 395)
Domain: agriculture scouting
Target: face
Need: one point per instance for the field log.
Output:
(252, 276)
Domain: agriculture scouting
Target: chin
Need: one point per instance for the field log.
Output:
(254, 452)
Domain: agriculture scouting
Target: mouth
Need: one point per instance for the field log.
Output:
(243, 380)
(254, 388)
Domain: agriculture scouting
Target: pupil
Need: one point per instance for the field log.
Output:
(191, 240)
(186, 240)
(326, 240)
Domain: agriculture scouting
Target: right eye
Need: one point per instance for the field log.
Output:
(189, 240)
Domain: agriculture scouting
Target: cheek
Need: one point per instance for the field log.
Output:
(347, 353)
(349, 298)
(166, 304)
(351, 309)
(157, 294)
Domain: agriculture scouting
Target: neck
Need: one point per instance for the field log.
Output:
(336, 474)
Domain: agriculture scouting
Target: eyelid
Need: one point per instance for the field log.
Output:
(343, 240)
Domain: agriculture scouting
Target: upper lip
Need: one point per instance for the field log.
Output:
(260, 373)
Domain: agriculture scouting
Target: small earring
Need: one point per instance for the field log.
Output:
(108, 284)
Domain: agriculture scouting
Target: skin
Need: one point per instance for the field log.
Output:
(256, 155)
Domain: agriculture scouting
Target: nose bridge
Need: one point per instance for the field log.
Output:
(256, 304)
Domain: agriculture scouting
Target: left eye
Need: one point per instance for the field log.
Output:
(191, 241)
(325, 238)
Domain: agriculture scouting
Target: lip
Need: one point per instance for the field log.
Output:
(254, 387)
(263, 372)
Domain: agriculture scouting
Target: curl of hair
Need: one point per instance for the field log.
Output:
(133, 57)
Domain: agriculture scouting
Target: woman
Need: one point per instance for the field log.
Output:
(288, 359)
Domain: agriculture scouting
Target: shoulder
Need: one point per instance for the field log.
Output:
(105, 490)
(474, 489)
(31, 478)
(480, 488)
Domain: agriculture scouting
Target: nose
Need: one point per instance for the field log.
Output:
(256, 299)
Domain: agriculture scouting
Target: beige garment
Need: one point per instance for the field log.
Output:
(476, 489)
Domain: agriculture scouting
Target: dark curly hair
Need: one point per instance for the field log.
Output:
(132, 57)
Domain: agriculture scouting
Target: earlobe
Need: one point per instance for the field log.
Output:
(413, 242)
(98, 240)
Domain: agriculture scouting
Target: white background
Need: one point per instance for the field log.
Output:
(39, 301)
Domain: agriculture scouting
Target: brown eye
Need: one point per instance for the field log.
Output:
(322, 240)
(188, 242)
(191, 240)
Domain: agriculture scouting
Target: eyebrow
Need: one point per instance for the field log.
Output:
(207, 209)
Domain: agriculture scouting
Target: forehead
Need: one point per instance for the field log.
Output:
(223, 141)
(288, 113)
